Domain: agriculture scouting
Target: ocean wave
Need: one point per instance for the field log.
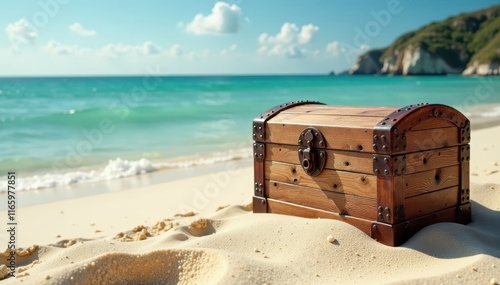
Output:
(492, 113)
(119, 168)
(116, 168)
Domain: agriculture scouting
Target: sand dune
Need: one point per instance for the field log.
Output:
(235, 246)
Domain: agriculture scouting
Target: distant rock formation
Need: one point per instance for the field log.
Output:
(368, 63)
(467, 44)
(482, 69)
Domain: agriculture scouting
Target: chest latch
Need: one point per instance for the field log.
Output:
(312, 154)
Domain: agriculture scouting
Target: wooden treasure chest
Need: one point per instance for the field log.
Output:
(388, 171)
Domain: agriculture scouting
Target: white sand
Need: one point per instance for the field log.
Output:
(235, 246)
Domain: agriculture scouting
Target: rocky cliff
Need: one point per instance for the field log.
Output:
(368, 63)
(468, 44)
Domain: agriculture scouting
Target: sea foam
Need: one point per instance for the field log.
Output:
(119, 168)
(115, 168)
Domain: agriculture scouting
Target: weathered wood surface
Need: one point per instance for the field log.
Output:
(335, 159)
(341, 110)
(432, 159)
(353, 132)
(434, 123)
(431, 202)
(431, 180)
(321, 199)
(432, 139)
(279, 207)
(332, 180)
(390, 196)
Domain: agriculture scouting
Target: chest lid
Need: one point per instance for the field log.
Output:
(377, 130)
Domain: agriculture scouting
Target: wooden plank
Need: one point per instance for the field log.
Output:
(335, 159)
(342, 110)
(431, 202)
(352, 205)
(340, 138)
(464, 159)
(258, 175)
(390, 198)
(432, 159)
(433, 123)
(431, 180)
(279, 207)
(341, 121)
(431, 139)
(332, 180)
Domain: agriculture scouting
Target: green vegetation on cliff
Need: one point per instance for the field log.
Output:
(458, 40)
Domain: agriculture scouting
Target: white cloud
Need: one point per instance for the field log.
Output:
(147, 48)
(77, 28)
(337, 48)
(334, 48)
(232, 48)
(20, 33)
(175, 50)
(307, 33)
(60, 49)
(290, 41)
(224, 19)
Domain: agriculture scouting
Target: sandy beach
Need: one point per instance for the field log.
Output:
(200, 230)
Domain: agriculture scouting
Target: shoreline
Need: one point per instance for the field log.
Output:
(83, 189)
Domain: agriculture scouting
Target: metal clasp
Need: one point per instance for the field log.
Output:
(312, 155)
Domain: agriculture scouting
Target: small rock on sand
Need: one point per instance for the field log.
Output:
(330, 239)
(200, 224)
(27, 251)
(493, 281)
(183, 215)
(138, 228)
(4, 271)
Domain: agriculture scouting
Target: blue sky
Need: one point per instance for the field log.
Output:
(76, 37)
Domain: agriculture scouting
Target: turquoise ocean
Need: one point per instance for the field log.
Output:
(58, 131)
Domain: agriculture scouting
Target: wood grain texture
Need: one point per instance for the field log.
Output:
(390, 197)
(332, 180)
(341, 121)
(340, 138)
(335, 159)
(258, 175)
(362, 111)
(431, 202)
(431, 180)
(279, 207)
(325, 200)
(434, 123)
(432, 159)
(432, 139)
